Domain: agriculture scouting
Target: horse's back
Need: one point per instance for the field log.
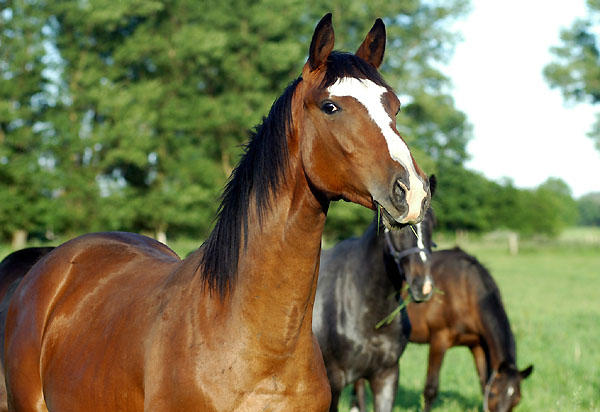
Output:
(75, 309)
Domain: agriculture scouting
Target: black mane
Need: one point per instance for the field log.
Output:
(494, 318)
(259, 173)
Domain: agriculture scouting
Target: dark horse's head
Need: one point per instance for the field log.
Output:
(408, 252)
(503, 390)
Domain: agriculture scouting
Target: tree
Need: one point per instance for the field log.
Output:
(26, 171)
(576, 70)
(462, 200)
(589, 209)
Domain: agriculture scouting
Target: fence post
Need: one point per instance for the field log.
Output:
(513, 243)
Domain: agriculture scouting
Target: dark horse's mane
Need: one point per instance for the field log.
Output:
(494, 318)
(259, 173)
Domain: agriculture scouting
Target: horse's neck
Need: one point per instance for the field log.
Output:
(376, 278)
(394, 278)
(278, 270)
(496, 330)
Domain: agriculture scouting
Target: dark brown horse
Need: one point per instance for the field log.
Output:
(12, 269)
(469, 313)
(359, 286)
(116, 321)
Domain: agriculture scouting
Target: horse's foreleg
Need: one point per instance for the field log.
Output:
(437, 350)
(336, 382)
(480, 364)
(384, 385)
(335, 398)
(360, 401)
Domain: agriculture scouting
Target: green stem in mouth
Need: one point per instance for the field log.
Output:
(389, 318)
(414, 231)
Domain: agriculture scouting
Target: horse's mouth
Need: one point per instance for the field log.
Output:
(388, 221)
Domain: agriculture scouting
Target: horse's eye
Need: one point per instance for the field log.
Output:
(329, 107)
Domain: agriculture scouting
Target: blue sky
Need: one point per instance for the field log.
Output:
(522, 129)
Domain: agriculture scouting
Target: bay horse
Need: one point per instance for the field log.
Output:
(117, 321)
(359, 285)
(469, 312)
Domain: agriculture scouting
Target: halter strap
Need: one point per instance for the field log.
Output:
(488, 388)
(399, 255)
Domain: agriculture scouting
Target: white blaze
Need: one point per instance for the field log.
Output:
(420, 243)
(369, 95)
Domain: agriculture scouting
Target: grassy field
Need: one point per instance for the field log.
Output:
(551, 290)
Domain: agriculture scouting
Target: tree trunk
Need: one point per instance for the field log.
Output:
(161, 235)
(19, 239)
(513, 243)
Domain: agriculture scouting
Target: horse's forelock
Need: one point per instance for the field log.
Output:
(341, 64)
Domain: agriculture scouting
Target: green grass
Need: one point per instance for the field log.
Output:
(551, 291)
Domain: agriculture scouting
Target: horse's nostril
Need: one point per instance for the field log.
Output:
(399, 191)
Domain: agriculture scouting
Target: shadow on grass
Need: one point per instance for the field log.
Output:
(410, 399)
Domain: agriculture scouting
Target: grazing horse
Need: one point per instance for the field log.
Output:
(117, 321)
(12, 269)
(469, 312)
(359, 285)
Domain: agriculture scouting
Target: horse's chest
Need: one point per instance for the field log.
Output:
(373, 351)
(242, 378)
(385, 348)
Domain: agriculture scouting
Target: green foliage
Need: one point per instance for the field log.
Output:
(465, 200)
(462, 199)
(26, 171)
(576, 69)
(589, 209)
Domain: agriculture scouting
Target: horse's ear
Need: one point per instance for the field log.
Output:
(504, 367)
(432, 184)
(526, 372)
(322, 43)
(373, 47)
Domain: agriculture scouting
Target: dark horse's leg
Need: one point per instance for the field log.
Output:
(437, 349)
(384, 385)
(360, 396)
(336, 382)
(481, 364)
